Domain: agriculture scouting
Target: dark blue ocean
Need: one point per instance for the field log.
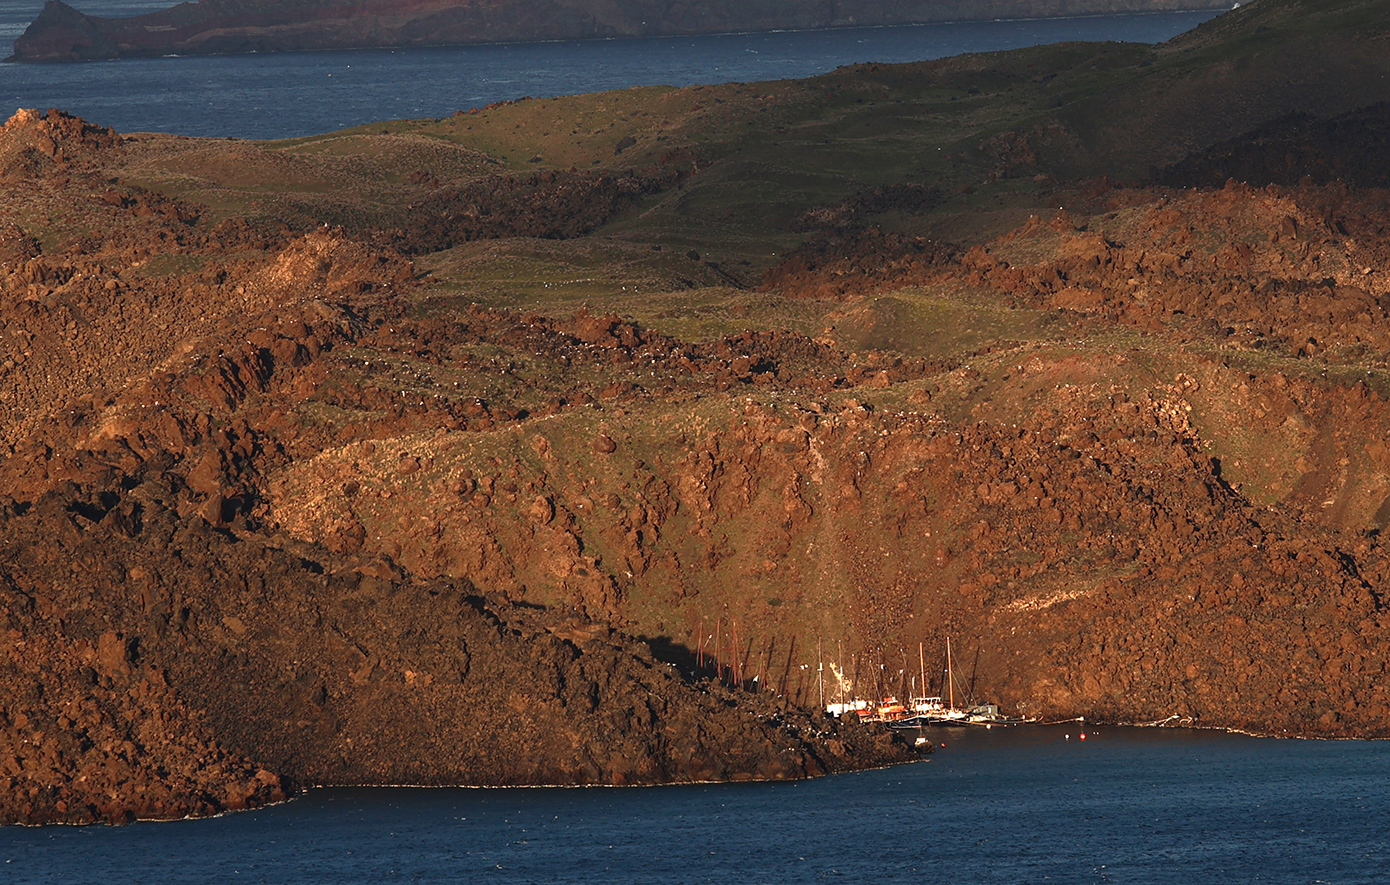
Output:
(292, 94)
(1004, 806)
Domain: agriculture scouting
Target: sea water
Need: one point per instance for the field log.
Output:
(283, 95)
(1022, 805)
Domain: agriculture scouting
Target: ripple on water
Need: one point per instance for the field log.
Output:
(1006, 806)
(293, 94)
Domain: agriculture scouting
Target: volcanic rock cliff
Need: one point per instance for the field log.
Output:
(549, 442)
(62, 33)
(158, 636)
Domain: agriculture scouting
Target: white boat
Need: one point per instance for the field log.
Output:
(988, 715)
(921, 712)
(934, 711)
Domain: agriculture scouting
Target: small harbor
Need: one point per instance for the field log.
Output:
(918, 711)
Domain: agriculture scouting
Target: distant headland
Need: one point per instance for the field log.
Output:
(218, 27)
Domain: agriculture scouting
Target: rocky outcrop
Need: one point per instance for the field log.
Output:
(180, 651)
(166, 651)
(61, 33)
(33, 142)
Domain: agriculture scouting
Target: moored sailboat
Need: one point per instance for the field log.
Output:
(921, 711)
(934, 711)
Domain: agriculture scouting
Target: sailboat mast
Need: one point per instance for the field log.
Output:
(820, 672)
(719, 648)
(840, 676)
(736, 672)
(950, 680)
(922, 663)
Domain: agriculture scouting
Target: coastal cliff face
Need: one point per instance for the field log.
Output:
(62, 33)
(144, 682)
(459, 451)
(162, 657)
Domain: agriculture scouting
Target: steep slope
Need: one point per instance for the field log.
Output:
(334, 672)
(160, 635)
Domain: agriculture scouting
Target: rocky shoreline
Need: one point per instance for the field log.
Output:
(329, 672)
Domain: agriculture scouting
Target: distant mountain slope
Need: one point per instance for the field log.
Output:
(213, 27)
(1224, 78)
